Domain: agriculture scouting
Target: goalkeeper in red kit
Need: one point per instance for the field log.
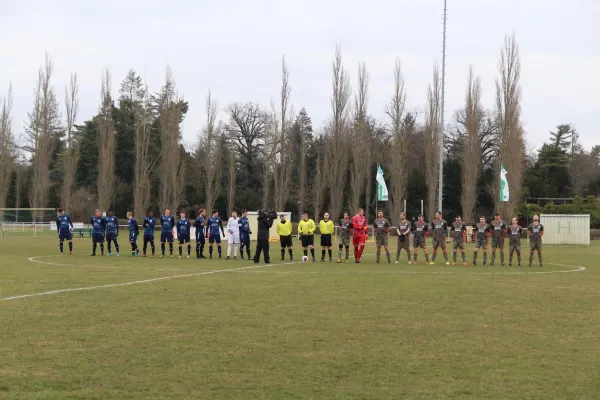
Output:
(359, 225)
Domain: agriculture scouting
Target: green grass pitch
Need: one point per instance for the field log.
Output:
(138, 328)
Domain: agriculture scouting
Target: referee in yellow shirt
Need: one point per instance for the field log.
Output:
(326, 228)
(284, 230)
(306, 229)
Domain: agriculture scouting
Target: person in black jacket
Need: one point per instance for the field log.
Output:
(265, 222)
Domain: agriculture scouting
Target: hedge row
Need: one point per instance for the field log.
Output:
(588, 205)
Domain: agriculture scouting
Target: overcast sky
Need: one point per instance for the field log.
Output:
(234, 48)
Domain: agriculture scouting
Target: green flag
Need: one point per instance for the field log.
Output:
(382, 192)
(503, 185)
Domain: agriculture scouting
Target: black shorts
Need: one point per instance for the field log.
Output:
(286, 241)
(307, 240)
(183, 238)
(326, 240)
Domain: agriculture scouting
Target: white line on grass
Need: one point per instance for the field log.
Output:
(36, 260)
(455, 271)
(145, 281)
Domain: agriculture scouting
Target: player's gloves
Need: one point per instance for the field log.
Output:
(249, 232)
(230, 232)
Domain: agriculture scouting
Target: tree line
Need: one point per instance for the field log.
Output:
(130, 156)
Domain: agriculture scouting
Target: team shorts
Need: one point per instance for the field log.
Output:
(438, 243)
(326, 240)
(183, 238)
(307, 240)
(111, 237)
(214, 238)
(200, 237)
(535, 245)
(512, 247)
(98, 238)
(381, 241)
(358, 240)
(166, 237)
(65, 236)
(148, 238)
(132, 238)
(344, 241)
(421, 242)
(458, 244)
(498, 243)
(245, 240)
(481, 243)
(403, 243)
(285, 241)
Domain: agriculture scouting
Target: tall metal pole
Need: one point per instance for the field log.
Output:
(441, 170)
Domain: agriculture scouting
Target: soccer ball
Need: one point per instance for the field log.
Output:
(304, 259)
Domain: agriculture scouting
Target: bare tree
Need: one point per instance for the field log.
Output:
(303, 129)
(43, 126)
(106, 146)
(208, 154)
(360, 137)
(584, 168)
(432, 142)
(172, 166)
(318, 184)
(508, 107)
(336, 160)
(7, 146)
(270, 146)
(471, 151)
(488, 137)
(283, 166)
(143, 166)
(71, 151)
(232, 170)
(397, 159)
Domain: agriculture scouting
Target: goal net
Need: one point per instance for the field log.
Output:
(27, 222)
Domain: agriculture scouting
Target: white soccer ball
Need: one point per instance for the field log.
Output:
(304, 259)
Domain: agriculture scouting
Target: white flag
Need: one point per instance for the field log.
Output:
(382, 192)
(503, 185)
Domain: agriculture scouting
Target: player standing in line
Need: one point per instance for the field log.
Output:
(284, 230)
(326, 228)
(439, 228)
(403, 231)
(64, 227)
(183, 233)
(233, 240)
(344, 236)
(459, 232)
(514, 241)
(112, 232)
(306, 229)
(215, 224)
(359, 237)
(149, 224)
(98, 231)
(199, 224)
(167, 224)
(420, 239)
(382, 226)
(535, 231)
(244, 235)
(483, 233)
(498, 233)
(134, 231)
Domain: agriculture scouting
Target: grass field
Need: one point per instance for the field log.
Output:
(134, 328)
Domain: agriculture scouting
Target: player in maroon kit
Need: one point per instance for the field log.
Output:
(359, 225)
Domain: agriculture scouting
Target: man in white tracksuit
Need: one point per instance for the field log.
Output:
(233, 238)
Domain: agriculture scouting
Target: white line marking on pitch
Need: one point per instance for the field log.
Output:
(35, 260)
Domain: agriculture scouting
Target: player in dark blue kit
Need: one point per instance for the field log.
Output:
(199, 224)
(245, 234)
(149, 224)
(214, 225)
(134, 231)
(167, 223)
(183, 233)
(112, 232)
(98, 231)
(64, 227)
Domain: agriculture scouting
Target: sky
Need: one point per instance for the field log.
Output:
(235, 48)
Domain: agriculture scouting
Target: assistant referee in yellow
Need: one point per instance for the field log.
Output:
(326, 228)
(306, 229)
(284, 230)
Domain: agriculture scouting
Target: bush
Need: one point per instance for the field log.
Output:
(579, 206)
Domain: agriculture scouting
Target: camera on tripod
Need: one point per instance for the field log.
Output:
(268, 214)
